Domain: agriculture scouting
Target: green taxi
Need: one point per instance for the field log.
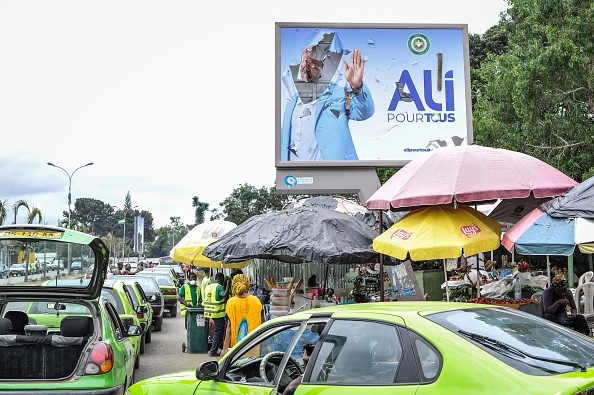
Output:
(121, 297)
(61, 336)
(139, 298)
(168, 285)
(392, 348)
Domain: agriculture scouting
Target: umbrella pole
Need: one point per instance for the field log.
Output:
(325, 281)
(478, 277)
(445, 272)
(381, 260)
(548, 272)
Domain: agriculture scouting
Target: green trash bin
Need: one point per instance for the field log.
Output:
(197, 330)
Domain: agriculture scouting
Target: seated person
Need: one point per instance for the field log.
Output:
(559, 306)
(307, 351)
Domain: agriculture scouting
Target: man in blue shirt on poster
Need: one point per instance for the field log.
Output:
(316, 127)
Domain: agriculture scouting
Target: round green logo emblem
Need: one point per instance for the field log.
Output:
(418, 44)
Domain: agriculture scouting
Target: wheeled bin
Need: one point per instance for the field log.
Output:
(197, 330)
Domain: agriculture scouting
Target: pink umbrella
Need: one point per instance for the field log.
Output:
(469, 174)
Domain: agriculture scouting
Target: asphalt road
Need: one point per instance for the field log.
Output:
(164, 353)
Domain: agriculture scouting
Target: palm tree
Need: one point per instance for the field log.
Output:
(31, 215)
(3, 211)
(17, 205)
(35, 213)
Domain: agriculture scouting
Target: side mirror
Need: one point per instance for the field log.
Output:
(207, 370)
(134, 330)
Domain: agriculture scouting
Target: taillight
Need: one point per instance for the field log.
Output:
(101, 359)
(170, 292)
(140, 315)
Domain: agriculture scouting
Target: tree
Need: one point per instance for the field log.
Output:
(538, 96)
(201, 209)
(166, 237)
(493, 42)
(3, 211)
(99, 217)
(35, 213)
(247, 201)
(17, 205)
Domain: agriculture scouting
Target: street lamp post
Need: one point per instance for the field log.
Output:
(69, 199)
(69, 187)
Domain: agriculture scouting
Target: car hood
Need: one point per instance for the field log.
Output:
(28, 243)
(183, 382)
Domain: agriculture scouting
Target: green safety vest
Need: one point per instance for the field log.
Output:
(213, 308)
(188, 298)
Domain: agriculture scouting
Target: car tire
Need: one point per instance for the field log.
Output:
(137, 362)
(158, 323)
(173, 311)
(149, 335)
(142, 343)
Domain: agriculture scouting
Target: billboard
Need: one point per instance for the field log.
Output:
(139, 235)
(369, 95)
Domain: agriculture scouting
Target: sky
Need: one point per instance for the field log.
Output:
(169, 100)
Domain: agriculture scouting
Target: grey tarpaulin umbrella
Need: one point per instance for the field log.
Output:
(578, 202)
(348, 206)
(303, 234)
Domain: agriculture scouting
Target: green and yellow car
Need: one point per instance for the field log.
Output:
(121, 297)
(61, 336)
(393, 348)
(139, 298)
(168, 286)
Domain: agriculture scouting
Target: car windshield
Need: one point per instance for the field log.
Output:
(524, 341)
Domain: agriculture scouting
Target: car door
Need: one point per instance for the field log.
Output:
(350, 355)
(365, 356)
(240, 371)
(123, 349)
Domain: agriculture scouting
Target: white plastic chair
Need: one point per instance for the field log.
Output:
(586, 277)
(584, 299)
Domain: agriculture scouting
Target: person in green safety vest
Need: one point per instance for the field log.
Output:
(207, 279)
(189, 295)
(214, 309)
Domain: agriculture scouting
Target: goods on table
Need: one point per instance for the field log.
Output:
(502, 301)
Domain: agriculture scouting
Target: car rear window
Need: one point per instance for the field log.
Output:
(114, 298)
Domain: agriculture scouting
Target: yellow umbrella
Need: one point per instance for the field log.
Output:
(192, 255)
(439, 232)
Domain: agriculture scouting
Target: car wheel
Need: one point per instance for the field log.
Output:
(173, 311)
(149, 335)
(137, 362)
(158, 323)
(142, 343)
